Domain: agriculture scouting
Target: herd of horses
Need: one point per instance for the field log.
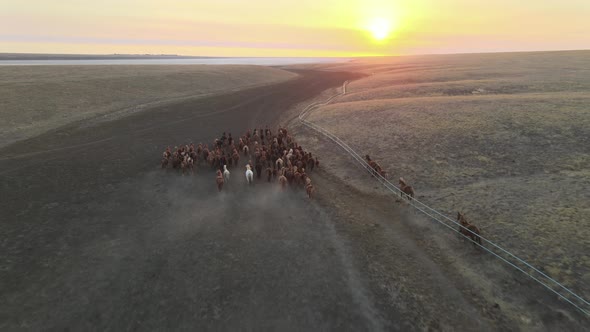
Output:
(467, 229)
(268, 155)
(273, 156)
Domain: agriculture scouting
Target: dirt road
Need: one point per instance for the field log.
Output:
(94, 236)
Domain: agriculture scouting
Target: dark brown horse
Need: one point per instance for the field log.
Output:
(236, 157)
(297, 178)
(309, 189)
(283, 180)
(407, 190)
(176, 160)
(468, 229)
(219, 180)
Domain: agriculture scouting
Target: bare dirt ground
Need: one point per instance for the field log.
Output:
(501, 137)
(97, 237)
(35, 99)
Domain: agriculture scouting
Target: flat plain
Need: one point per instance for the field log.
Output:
(504, 138)
(97, 236)
(36, 99)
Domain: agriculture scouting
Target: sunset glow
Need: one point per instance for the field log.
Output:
(380, 28)
(292, 27)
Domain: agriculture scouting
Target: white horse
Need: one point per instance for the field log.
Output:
(225, 174)
(249, 174)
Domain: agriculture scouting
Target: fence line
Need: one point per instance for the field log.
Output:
(582, 304)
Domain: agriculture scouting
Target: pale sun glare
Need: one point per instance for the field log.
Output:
(380, 28)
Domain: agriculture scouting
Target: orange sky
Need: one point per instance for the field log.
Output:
(292, 27)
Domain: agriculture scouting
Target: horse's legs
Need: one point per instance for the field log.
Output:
(476, 236)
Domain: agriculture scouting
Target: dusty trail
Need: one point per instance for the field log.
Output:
(96, 237)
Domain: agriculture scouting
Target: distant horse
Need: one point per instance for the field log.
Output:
(297, 178)
(381, 171)
(165, 160)
(309, 189)
(176, 160)
(184, 165)
(310, 164)
(467, 227)
(225, 173)
(249, 174)
(375, 167)
(190, 164)
(236, 157)
(219, 180)
(408, 190)
(371, 163)
(283, 180)
(246, 150)
(211, 160)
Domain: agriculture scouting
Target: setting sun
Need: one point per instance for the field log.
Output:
(379, 28)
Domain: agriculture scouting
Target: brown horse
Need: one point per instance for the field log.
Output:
(380, 170)
(219, 180)
(375, 167)
(164, 161)
(236, 157)
(176, 160)
(184, 165)
(467, 227)
(297, 178)
(283, 180)
(309, 189)
(187, 165)
(407, 190)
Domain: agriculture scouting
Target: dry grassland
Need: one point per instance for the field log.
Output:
(35, 99)
(503, 137)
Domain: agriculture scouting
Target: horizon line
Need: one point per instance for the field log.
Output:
(285, 57)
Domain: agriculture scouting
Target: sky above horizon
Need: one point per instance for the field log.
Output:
(292, 28)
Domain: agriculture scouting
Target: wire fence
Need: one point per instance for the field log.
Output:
(494, 249)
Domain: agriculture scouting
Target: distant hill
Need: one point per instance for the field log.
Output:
(40, 56)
